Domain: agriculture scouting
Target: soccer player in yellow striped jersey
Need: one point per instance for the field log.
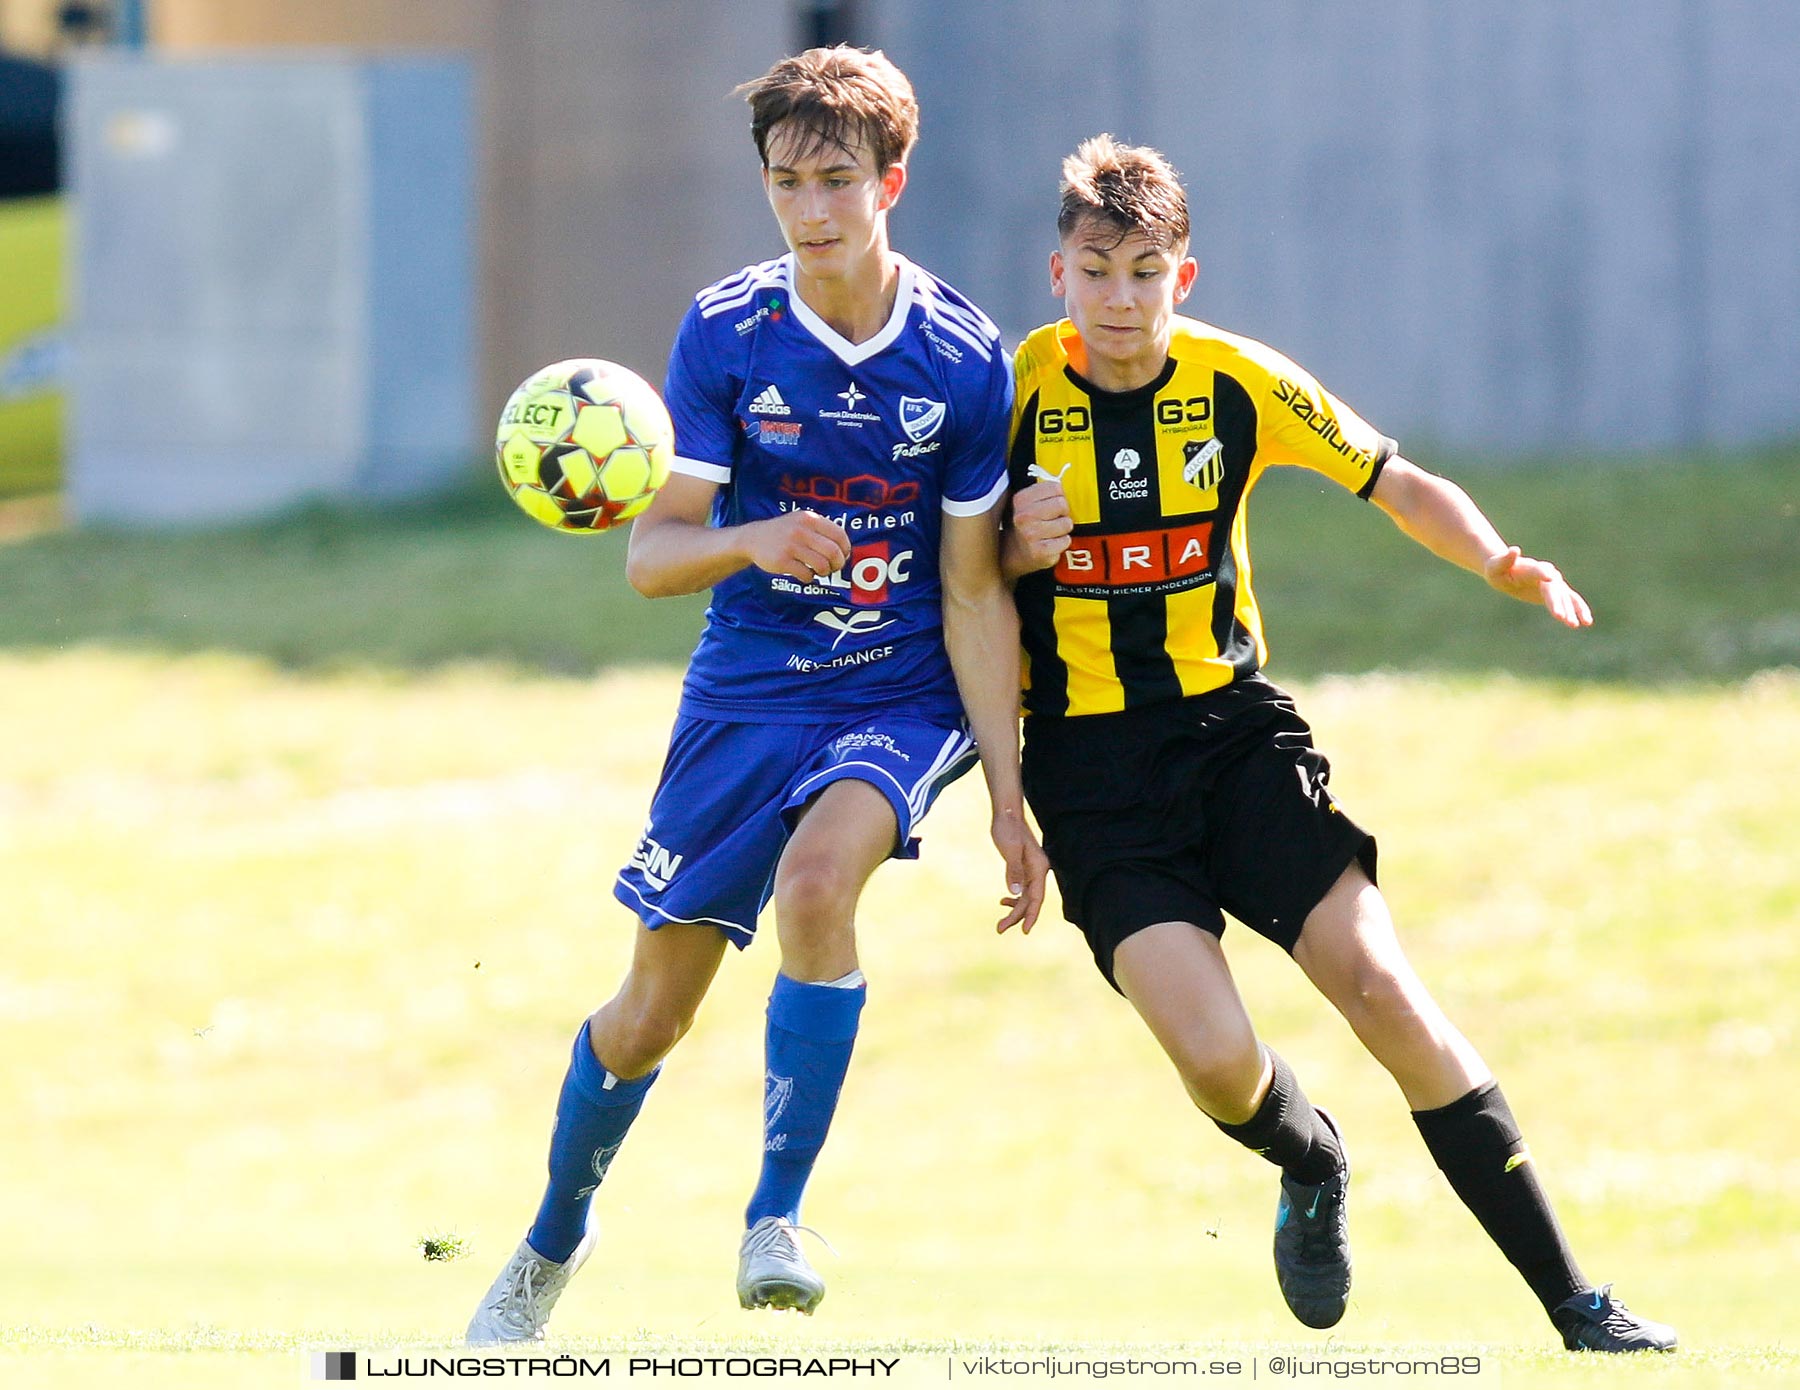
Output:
(1174, 783)
(1151, 598)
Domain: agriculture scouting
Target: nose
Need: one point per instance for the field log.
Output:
(812, 203)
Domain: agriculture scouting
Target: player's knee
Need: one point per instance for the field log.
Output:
(1222, 1080)
(1379, 999)
(632, 1039)
(814, 896)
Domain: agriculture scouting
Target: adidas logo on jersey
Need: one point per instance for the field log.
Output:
(770, 403)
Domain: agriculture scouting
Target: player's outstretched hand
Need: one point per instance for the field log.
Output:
(1538, 581)
(1041, 524)
(1027, 866)
(800, 544)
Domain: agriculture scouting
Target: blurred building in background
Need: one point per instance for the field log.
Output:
(1499, 230)
(272, 256)
(616, 173)
(1504, 229)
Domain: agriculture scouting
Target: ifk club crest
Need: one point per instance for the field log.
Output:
(920, 418)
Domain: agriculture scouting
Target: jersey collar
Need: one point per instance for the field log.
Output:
(1135, 396)
(847, 352)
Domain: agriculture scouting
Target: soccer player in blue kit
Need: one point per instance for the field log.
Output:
(841, 422)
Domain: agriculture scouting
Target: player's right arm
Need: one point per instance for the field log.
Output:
(675, 549)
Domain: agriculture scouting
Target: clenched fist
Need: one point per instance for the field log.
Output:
(1041, 526)
(800, 544)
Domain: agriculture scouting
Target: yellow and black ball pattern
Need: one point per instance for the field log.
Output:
(583, 445)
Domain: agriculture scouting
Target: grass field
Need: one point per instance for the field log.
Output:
(32, 236)
(1692, 565)
(305, 871)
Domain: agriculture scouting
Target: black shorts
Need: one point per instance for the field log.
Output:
(1183, 811)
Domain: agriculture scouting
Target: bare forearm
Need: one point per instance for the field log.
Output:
(981, 634)
(1439, 515)
(1443, 518)
(677, 552)
(679, 557)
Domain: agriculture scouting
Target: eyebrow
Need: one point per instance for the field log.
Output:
(1105, 253)
(828, 169)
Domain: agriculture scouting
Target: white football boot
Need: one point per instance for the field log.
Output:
(772, 1270)
(517, 1305)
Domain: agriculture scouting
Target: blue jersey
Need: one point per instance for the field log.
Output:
(883, 437)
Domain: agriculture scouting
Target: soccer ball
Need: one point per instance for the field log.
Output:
(584, 445)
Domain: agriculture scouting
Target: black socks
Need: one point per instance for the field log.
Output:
(1288, 1131)
(1476, 1142)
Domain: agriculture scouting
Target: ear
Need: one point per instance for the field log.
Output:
(1185, 275)
(1058, 285)
(893, 182)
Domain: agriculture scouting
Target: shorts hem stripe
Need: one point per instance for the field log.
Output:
(829, 774)
(950, 755)
(734, 930)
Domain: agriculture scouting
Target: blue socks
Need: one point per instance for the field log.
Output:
(592, 1114)
(812, 1029)
(811, 1032)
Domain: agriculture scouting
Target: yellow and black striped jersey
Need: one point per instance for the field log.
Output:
(1152, 599)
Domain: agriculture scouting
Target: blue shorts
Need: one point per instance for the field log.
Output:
(729, 795)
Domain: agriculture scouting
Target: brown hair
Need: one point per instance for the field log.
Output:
(1133, 187)
(835, 96)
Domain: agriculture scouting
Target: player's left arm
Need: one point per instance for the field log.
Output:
(1444, 519)
(981, 634)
